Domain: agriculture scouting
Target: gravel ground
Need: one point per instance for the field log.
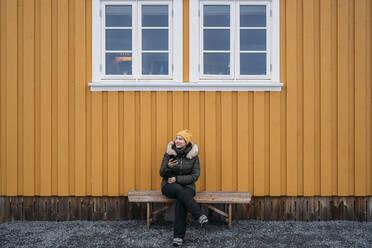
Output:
(135, 234)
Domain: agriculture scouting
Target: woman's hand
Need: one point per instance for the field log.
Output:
(171, 179)
(172, 162)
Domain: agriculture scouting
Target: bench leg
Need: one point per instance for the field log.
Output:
(230, 215)
(148, 222)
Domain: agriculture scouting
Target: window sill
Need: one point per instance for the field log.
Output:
(176, 86)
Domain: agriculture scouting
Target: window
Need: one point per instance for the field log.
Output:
(123, 56)
(238, 41)
(138, 45)
(137, 41)
(221, 57)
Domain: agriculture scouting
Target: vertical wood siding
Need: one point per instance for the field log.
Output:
(312, 138)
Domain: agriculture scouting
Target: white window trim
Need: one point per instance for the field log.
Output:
(175, 47)
(242, 83)
(185, 86)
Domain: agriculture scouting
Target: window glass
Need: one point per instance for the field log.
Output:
(216, 63)
(216, 39)
(155, 16)
(253, 15)
(216, 15)
(253, 40)
(117, 39)
(155, 39)
(253, 63)
(155, 63)
(118, 15)
(118, 63)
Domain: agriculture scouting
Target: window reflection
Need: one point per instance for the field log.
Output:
(253, 63)
(118, 63)
(118, 15)
(253, 16)
(216, 15)
(155, 63)
(216, 39)
(253, 40)
(155, 39)
(155, 16)
(119, 39)
(217, 63)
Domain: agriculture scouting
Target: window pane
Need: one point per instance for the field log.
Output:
(118, 16)
(253, 16)
(118, 39)
(217, 63)
(216, 39)
(155, 63)
(118, 64)
(154, 39)
(155, 16)
(216, 15)
(253, 40)
(253, 64)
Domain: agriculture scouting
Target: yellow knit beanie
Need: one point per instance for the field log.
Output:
(185, 134)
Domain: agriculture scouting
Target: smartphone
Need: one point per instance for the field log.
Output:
(172, 157)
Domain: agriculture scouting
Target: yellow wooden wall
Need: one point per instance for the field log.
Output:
(313, 138)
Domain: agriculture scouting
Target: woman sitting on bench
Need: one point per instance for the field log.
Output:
(180, 169)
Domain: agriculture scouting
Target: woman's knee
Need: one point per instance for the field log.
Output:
(171, 189)
(185, 193)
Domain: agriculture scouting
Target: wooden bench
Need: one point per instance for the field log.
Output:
(204, 197)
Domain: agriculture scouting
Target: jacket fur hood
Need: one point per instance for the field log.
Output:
(191, 154)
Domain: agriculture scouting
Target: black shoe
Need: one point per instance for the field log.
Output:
(203, 220)
(177, 242)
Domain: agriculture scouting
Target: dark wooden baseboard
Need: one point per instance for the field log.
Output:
(118, 208)
(307, 208)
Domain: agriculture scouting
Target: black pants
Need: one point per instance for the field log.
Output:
(185, 203)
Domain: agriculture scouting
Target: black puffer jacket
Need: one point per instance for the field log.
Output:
(187, 171)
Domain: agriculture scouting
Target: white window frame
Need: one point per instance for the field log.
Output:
(136, 81)
(201, 30)
(170, 43)
(237, 82)
(103, 41)
(269, 41)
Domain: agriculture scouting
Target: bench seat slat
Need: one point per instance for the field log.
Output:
(201, 197)
(145, 198)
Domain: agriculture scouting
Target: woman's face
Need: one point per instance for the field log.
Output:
(180, 142)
